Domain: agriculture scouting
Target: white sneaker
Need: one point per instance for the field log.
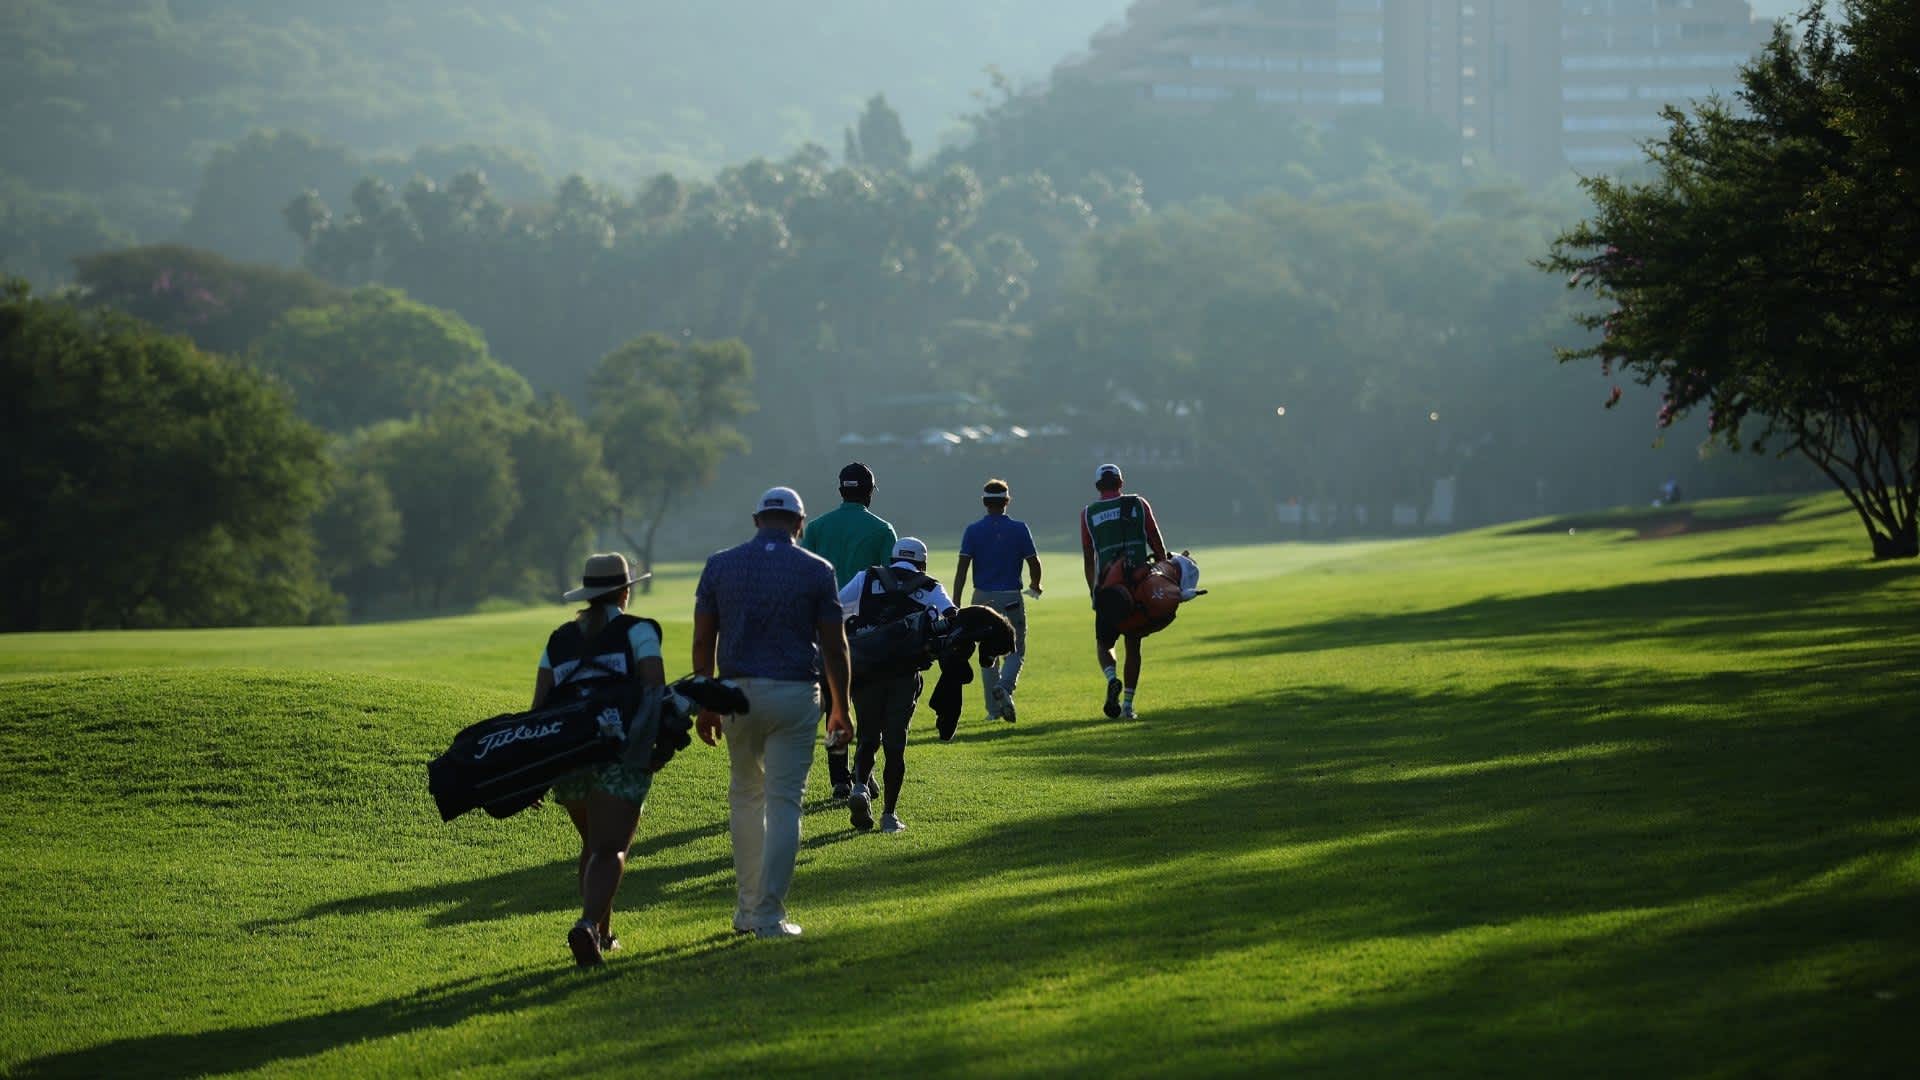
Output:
(892, 823)
(781, 929)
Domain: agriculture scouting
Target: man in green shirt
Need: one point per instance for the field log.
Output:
(1116, 529)
(852, 538)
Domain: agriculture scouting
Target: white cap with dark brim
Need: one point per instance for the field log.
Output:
(783, 499)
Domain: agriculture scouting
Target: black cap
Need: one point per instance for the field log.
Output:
(856, 477)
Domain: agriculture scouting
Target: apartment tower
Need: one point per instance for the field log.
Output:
(1532, 86)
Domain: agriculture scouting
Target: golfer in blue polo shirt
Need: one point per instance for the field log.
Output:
(994, 547)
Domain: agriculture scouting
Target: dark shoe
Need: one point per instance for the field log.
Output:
(860, 806)
(873, 788)
(1006, 710)
(1112, 707)
(945, 726)
(585, 945)
(609, 943)
(841, 790)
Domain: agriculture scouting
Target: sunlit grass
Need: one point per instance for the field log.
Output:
(1505, 802)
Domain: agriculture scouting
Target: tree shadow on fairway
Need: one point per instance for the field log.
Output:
(529, 890)
(236, 1049)
(653, 875)
(1566, 869)
(1527, 875)
(1721, 605)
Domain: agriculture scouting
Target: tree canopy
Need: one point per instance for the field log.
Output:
(149, 484)
(667, 413)
(1766, 272)
(380, 356)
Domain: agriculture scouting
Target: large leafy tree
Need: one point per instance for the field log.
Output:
(1769, 272)
(565, 492)
(451, 477)
(381, 356)
(666, 413)
(148, 483)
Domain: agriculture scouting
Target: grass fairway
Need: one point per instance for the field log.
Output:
(1514, 801)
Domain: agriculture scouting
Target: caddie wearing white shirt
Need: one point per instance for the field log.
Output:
(883, 705)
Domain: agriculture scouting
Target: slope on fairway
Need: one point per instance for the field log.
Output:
(1503, 802)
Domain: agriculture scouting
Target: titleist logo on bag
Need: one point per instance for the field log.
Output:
(522, 733)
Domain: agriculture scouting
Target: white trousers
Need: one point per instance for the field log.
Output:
(771, 749)
(1006, 674)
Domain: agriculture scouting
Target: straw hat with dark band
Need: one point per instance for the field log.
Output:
(605, 573)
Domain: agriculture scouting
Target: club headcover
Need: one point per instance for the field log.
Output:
(720, 695)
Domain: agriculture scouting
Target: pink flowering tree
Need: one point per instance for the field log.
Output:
(1769, 271)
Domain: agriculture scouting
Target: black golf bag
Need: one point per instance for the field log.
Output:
(953, 643)
(892, 634)
(506, 763)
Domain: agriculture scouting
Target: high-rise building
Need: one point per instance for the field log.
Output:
(1532, 86)
(1312, 57)
(1622, 61)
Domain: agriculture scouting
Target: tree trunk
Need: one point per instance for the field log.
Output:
(653, 530)
(1892, 527)
(1902, 543)
(641, 550)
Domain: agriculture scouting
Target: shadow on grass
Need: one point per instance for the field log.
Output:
(1730, 604)
(1661, 522)
(533, 890)
(1591, 882)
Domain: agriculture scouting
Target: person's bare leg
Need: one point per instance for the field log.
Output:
(1132, 679)
(577, 813)
(611, 825)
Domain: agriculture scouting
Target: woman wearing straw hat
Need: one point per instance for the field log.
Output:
(604, 801)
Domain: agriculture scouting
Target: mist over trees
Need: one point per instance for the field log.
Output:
(121, 107)
(1281, 330)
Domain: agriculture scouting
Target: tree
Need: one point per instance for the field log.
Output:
(665, 413)
(880, 143)
(451, 476)
(358, 529)
(42, 233)
(381, 356)
(565, 490)
(236, 208)
(1767, 271)
(223, 306)
(148, 483)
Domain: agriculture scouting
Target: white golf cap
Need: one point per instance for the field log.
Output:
(911, 549)
(1104, 473)
(781, 498)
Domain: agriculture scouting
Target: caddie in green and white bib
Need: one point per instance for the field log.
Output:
(1118, 533)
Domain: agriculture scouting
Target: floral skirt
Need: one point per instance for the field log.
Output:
(615, 779)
